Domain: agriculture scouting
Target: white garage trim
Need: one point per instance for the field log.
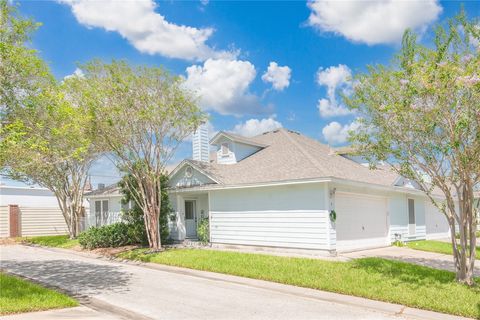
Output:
(362, 221)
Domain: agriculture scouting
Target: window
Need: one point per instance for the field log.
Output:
(101, 212)
(189, 210)
(411, 211)
(126, 206)
(225, 149)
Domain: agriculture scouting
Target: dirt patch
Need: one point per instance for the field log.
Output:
(111, 252)
(9, 241)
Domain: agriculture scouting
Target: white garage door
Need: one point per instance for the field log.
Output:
(436, 222)
(361, 221)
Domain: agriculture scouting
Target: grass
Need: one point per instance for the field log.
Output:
(435, 246)
(62, 241)
(372, 278)
(18, 295)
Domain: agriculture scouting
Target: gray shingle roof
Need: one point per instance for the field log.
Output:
(112, 189)
(289, 155)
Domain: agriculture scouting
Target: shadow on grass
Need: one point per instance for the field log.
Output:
(74, 276)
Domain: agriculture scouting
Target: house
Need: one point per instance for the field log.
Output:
(105, 205)
(283, 189)
(30, 211)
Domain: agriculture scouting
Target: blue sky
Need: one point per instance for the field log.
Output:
(255, 65)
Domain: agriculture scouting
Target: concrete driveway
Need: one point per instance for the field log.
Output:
(160, 292)
(424, 258)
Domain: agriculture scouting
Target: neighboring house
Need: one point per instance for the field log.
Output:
(283, 189)
(30, 211)
(105, 205)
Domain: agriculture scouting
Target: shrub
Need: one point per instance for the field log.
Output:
(203, 231)
(113, 235)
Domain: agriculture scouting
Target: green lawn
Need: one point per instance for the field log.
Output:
(435, 246)
(372, 278)
(18, 295)
(62, 241)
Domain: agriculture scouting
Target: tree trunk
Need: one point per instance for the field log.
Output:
(152, 217)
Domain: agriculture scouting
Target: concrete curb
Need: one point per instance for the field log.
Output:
(373, 305)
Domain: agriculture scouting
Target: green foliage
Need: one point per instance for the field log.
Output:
(113, 235)
(203, 231)
(135, 214)
(398, 243)
(142, 115)
(62, 241)
(21, 69)
(18, 296)
(373, 278)
(421, 115)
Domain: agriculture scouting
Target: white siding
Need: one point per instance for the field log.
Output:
(42, 221)
(398, 208)
(436, 222)
(4, 222)
(114, 211)
(280, 216)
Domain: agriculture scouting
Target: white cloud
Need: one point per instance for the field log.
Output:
(334, 133)
(254, 127)
(278, 76)
(372, 22)
(77, 73)
(335, 79)
(223, 86)
(145, 29)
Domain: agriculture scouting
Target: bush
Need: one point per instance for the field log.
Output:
(113, 235)
(203, 231)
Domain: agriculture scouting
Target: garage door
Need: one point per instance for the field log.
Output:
(436, 222)
(361, 221)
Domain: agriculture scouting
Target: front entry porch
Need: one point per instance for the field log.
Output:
(190, 209)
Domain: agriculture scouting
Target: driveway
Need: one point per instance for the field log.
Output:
(424, 258)
(160, 292)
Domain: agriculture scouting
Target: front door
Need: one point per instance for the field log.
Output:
(190, 218)
(412, 226)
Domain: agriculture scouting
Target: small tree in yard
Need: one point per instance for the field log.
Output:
(134, 215)
(143, 114)
(44, 139)
(422, 115)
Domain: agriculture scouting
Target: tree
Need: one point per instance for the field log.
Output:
(21, 70)
(50, 143)
(134, 214)
(44, 139)
(143, 114)
(422, 115)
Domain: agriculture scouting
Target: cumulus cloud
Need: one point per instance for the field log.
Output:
(145, 29)
(335, 79)
(372, 22)
(77, 73)
(278, 76)
(254, 127)
(335, 133)
(223, 86)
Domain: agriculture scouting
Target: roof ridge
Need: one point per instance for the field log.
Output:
(314, 161)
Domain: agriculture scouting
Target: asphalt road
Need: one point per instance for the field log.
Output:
(140, 292)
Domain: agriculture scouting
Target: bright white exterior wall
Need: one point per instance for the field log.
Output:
(27, 197)
(292, 216)
(398, 208)
(436, 222)
(114, 210)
